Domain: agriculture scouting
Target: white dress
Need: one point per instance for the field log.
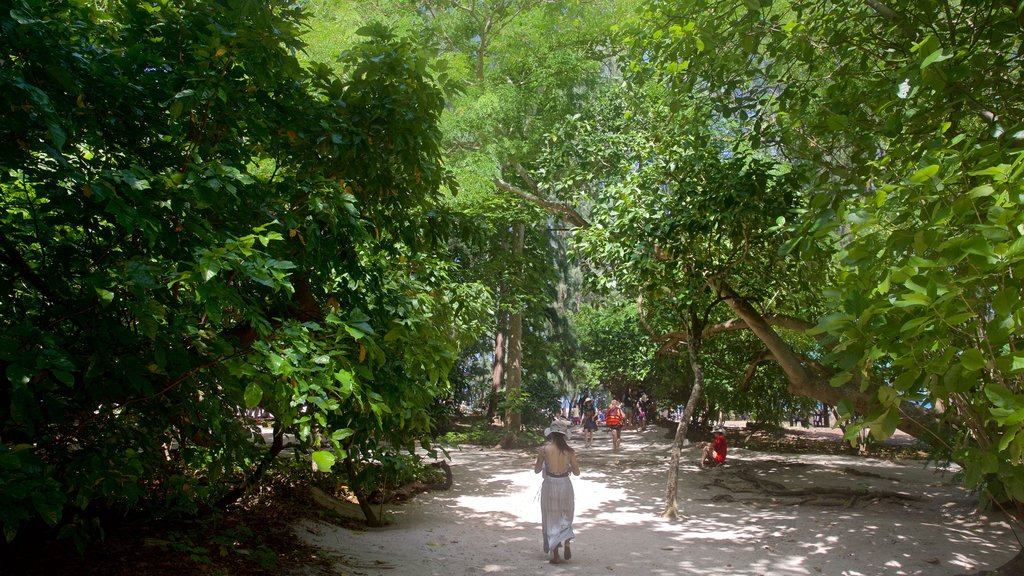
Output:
(557, 506)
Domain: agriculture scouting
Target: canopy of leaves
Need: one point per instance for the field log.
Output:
(904, 124)
(195, 224)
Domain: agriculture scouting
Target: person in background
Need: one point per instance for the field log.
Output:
(640, 413)
(713, 453)
(614, 419)
(628, 403)
(557, 500)
(589, 415)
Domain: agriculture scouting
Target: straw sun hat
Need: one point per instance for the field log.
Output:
(558, 427)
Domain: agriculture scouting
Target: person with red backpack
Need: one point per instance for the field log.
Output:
(614, 418)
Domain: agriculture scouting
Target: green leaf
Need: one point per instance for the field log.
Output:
(1001, 396)
(913, 323)
(840, 379)
(106, 296)
(276, 363)
(912, 299)
(914, 286)
(1008, 437)
(347, 381)
(354, 332)
(936, 56)
(989, 463)
(885, 425)
(1005, 301)
(972, 359)
(978, 245)
(980, 191)
(341, 434)
(998, 172)
(887, 396)
(253, 395)
(48, 507)
(957, 319)
(924, 174)
(1018, 362)
(324, 460)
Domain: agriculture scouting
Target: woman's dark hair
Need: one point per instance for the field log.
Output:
(559, 440)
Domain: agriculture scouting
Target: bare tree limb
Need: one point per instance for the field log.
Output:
(892, 16)
(751, 371)
(525, 175)
(564, 210)
(780, 320)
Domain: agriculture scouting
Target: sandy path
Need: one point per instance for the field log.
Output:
(490, 521)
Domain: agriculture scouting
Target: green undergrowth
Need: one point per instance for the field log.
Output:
(479, 432)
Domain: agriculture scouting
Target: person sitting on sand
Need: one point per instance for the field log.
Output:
(713, 453)
(557, 500)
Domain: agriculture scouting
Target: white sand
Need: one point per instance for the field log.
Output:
(489, 522)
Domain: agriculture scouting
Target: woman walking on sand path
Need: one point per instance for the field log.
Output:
(557, 500)
(589, 422)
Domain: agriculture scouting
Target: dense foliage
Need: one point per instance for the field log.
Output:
(904, 125)
(200, 220)
(195, 224)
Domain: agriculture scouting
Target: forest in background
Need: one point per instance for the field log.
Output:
(356, 218)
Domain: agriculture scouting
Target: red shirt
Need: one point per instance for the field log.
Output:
(719, 445)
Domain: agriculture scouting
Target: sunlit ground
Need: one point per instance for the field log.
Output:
(490, 521)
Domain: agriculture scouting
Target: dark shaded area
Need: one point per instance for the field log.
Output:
(254, 539)
(1014, 567)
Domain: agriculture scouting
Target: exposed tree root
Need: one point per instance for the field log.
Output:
(855, 472)
(814, 496)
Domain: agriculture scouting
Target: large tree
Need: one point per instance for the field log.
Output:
(905, 124)
(526, 65)
(684, 212)
(195, 224)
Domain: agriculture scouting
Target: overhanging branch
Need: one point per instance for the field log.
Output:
(564, 210)
(780, 320)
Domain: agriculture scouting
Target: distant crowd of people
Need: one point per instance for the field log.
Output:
(637, 411)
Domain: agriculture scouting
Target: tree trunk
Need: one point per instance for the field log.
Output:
(672, 489)
(513, 418)
(914, 420)
(515, 350)
(361, 497)
(257, 475)
(498, 370)
(480, 58)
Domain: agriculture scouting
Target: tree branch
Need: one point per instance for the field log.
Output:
(891, 15)
(751, 371)
(781, 320)
(525, 175)
(563, 210)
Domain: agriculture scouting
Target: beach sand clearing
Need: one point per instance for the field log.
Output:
(765, 514)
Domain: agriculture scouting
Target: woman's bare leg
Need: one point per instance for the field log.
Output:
(554, 555)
